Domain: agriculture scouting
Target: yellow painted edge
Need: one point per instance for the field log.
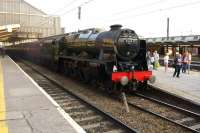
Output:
(3, 124)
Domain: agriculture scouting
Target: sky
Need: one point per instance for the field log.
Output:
(148, 18)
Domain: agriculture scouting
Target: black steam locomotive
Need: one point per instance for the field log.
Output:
(115, 59)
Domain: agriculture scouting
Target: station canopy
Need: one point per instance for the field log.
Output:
(190, 40)
(7, 31)
(12, 33)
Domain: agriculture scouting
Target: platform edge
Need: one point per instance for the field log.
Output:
(66, 116)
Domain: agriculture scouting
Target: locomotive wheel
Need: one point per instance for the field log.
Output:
(80, 75)
(86, 77)
(111, 87)
(61, 66)
(143, 85)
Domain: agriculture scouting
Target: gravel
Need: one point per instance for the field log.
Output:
(144, 122)
(155, 107)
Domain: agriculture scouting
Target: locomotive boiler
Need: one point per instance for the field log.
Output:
(123, 43)
(114, 59)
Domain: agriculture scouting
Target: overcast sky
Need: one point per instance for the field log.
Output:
(147, 17)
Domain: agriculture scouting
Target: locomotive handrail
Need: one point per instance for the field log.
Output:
(89, 60)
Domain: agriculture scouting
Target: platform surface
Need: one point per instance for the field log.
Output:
(187, 86)
(23, 107)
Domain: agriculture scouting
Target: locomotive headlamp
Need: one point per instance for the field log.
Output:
(124, 80)
(150, 67)
(132, 68)
(114, 68)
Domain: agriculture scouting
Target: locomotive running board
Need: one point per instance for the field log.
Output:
(87, 60)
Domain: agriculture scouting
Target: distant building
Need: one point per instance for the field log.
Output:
(31, 19)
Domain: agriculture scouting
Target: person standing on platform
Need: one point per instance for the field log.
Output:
(177, 63)
(156, 60)
(185, 62)
(152, 61)
(148, 56)
(189, 61)
(166, 61)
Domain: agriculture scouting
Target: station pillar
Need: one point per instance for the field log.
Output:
(162, 50)
(174, 50)
(198, 51)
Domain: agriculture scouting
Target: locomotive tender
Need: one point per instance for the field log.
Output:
(115, 59)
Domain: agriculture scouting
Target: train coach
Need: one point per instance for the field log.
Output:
(114, 59)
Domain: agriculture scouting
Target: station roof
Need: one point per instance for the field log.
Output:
(6, 31)
(194, 39)
(11, 33)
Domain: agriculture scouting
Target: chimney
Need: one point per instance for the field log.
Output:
(115, 27)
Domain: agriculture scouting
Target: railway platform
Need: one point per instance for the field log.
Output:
(26, 108)
(186, 87)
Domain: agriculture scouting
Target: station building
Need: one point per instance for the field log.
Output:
(25, 21)
(173, 44)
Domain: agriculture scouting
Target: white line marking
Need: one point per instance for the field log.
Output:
(60, 110)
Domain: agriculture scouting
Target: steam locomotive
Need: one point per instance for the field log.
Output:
(114, 59)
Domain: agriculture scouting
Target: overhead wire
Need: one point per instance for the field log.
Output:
(138, 7)
(65, 6)
(89, 1)
(58, 10)
(68, 11)
(75, 8)
(157, 10)
(131, 10)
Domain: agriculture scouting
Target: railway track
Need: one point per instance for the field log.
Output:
(144, 116)
(88, 116)
(175, 114)
(172, 99)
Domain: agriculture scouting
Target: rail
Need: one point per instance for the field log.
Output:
(119, 123)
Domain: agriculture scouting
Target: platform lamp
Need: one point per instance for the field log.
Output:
(167, 33)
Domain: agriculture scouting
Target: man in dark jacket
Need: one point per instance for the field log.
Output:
(177, 63)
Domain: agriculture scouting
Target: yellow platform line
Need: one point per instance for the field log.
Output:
(3, 125)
